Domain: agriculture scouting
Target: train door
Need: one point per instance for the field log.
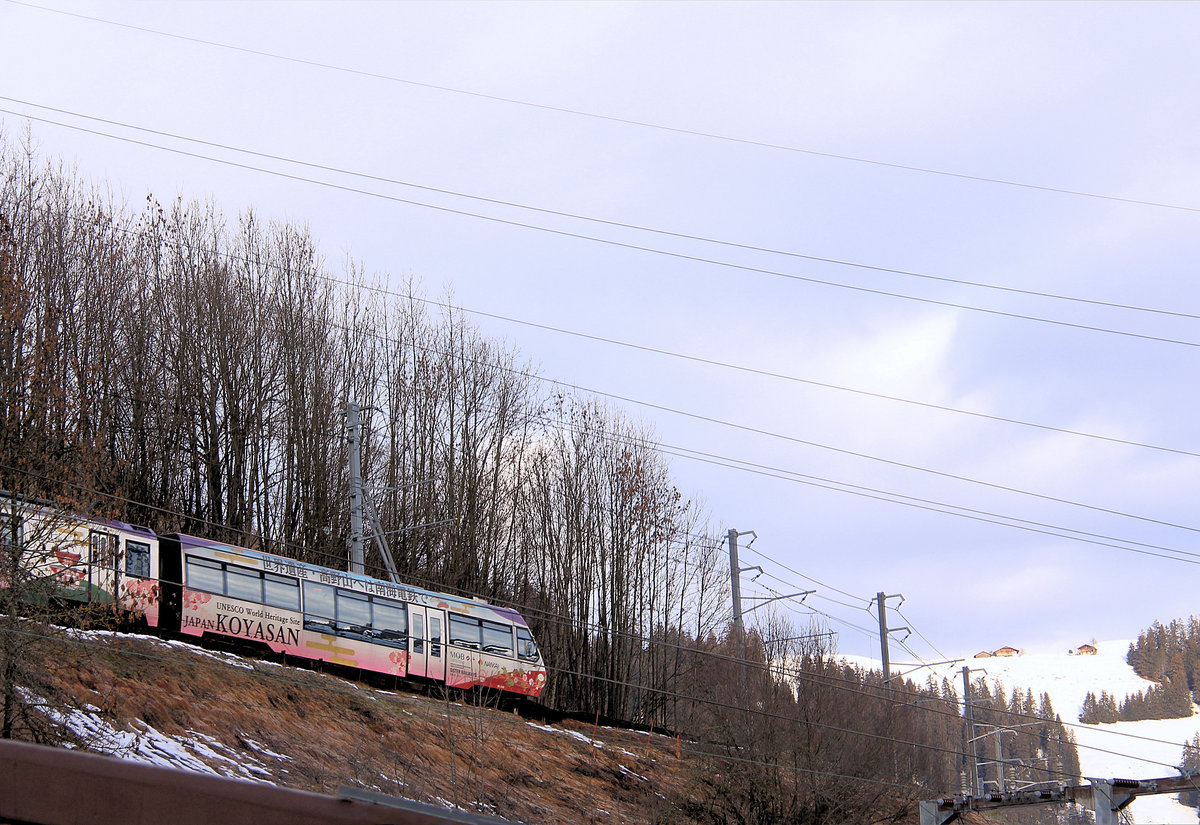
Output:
(426, 644)
(418, 654)
(436, 666)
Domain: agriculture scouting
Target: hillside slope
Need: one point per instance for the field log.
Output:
(174, 704)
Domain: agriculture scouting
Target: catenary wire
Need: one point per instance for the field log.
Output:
(810, 382)
(919, 503)
(919, 634)
(818, 582)
(684, 356)
(855, 454)
(603, 221)
(899, 498)
(865, 631)
(748, 369)
(693, 415)
(783, 599)
(815, 595)
(612, 118)
(956, 511)
(896, 610)
(792, 439)
(620, 244)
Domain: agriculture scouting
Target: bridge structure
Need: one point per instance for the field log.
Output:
(1106, 798)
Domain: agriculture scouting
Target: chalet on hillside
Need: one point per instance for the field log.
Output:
(1086, 650)
(1004, 651)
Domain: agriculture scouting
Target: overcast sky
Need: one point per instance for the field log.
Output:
(910, 175)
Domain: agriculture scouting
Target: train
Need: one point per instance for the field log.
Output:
(187, 586)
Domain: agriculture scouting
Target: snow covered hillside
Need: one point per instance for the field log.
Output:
(1126, 750)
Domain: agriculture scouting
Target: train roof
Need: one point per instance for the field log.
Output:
(46, 506)
(368, 583)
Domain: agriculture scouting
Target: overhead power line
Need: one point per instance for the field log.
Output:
(603, 221)
(762, 144)
(867, 456)
(615, 243)
(883, 495)
(939, 507)
(919, 635)
(947, 509)
(796, 379)
(695, 358)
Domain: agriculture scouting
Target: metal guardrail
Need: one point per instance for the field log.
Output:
(53, 786)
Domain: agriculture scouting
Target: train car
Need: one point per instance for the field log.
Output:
(344, 619)
(83, 559)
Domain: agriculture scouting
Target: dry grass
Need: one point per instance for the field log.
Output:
(329, 731)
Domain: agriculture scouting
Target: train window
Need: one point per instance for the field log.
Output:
(464, 632)
(353, 612)
(281, 591)
(319, 607)
(12, 530)
(104, 550)
(205, 575)
(526, 646)
(435, 635)
(137, 559)
(241, 583)
(497, 638)
(479, 634)
(390, 623)
(418, 632)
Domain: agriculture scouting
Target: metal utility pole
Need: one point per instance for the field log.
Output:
(970, 712)
(735, 581)
(884, 631)
(735, 578)
(353, 440)
(1000, 782)
(361, 505)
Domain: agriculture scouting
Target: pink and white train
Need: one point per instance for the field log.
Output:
(197, 587)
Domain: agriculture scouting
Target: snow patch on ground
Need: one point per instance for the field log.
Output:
(192, 751)
(258, 747)
(582, 737)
